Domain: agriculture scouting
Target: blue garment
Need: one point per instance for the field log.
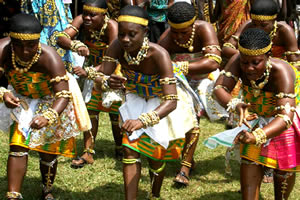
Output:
(54, 16)
(157, 10)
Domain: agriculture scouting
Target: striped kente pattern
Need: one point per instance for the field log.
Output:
(97, 51)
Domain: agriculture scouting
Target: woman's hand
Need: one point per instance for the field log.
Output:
(38, 122)
(116, 82)
(83, 51)
(132, 125)
(10, 100)
(80, 72)
(244, 116)
(245, 137)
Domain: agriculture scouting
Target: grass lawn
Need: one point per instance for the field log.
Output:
(103, 180)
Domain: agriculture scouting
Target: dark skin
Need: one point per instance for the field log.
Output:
(49, 63)
(281, 80)
(285, 37)
(157, 61)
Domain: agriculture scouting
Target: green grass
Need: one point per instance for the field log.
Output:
(104, 181)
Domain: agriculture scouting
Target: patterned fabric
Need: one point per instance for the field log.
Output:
(234, 13)
(277, 51)
(157, 10)
(31, 84)
(113, 8)
(144, 85)
(54, 16)
(148, 147)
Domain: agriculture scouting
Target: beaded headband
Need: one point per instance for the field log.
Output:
(25, 36)
(133, 19)
(263, 17)
(182, 25)
(254, 52)
(94, 9)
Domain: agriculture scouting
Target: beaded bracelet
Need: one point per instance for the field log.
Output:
(149, 119)
(63, 94)
(296, 63)
(287, 53)
(59, 78)
(228, 44)
(235, 37)
(260, 136)
(282, 95)
(170, 97)
(63, 34)
(183, 66)
(51, 115)
(92, 73)
(214, 57)
(73, 27)
(286, 119)
(210, 47)
(231, 105)
(110, 59)
(221, 86)
(3, 90)
(167, 81)
(76, 44)
(229, 75)
(287, 108)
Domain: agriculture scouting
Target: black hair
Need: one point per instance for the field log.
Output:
(134, 11)
(264, 7)
(254, 38)
(24, 23)
(181, 12)
(97, 3)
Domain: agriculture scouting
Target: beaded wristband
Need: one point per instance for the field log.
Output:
(167, 81)
(229, 75)
(51, 115)
(110, 59)
(170, 97)
(287, 53)
(149, 119)
(63, 94)
(282, 95)
(210, 47)
(260, 136)
(231, 105)
(183, 66)
(73, 27)
(59, 78)
(76, 44)
(228, 44)
(214, 57)
(286, 119)
(287, 108)
(221, 86)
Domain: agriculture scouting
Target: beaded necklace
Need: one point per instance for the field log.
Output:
(140, 55)
(189, 44)
(272, 34)
(257, 88)
(97, 34)
(28, 64)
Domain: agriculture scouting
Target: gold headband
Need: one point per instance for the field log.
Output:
(133, 19)
(263, 17)
(94, 9)
(25, 36)
(182, 25)
(254, 52)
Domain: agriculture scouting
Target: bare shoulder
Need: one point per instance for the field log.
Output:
(4, 46)
(282, 71)
(112, 23)
(158, 50)
(204, 26)
(50, 60)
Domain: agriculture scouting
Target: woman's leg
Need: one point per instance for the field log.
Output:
(16, 170)
(191, 140)
(251, 175)
(157, 173)
(117, 135)
(283, 184)
(48, 167)
(131, 173)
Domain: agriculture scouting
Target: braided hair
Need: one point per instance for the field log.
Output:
(264, 7)
(97, 3)
(24, 23)
(181, 12)
(254, 38)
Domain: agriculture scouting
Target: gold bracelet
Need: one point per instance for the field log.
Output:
(183, 66)
(210, 47)
(63, 34)
(235, 37)
(286, 119)
(170, 97)
(92, 73)
(104, 83)
(282, 95)
(287, 108)
(14, 195)
(296, 63)
(228, 44)
(73, 27)
(223, 87)
(63, 94)
(149, 119)
(59, 78)
(167, 81)
(229, 75)
(260, 136)
(214, 57)
(287, 53)
(76, 44)
(51, 115)
(3, 90)
(110, 59)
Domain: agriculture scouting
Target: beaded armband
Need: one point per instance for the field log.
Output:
(260, 136)
(229, 75)
(149, 119)
(287, 53)
(221, 86)
(59, 78)
(73, 27)
(210, 47)
(167, 81)
(287, 108)
(231, 105)
(76, 44)
(51, 115)
(286, 119)
(90, 151)
(282, 95)
(63, 94)
(184, 66)
(296, 63)
(92, 73)
(63, 34)
(170, 97)
(3, 90)
(214, 57)
(228, 44)
(14, 195)
(235, 37)
(110, 59)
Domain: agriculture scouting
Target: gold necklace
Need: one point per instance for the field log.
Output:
(189, 44)
(27, 67)
(272, 34)
(140, 55)
(257, 88)
(97, 34)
